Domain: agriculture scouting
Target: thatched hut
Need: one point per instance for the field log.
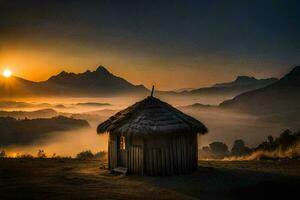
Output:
(152, 137)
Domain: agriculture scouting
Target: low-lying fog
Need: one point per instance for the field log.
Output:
(224, 126)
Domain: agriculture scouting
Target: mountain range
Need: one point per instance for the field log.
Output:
(282, 96)
(103, 83)
(90, 83)
(239, 85)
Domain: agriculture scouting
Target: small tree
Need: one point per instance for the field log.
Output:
(219, 149)
(41, 154)
(239, 148)
(27, 156)
(101, 155)
(85, 155)
(205, 153)
(206, 149)
(3, 154)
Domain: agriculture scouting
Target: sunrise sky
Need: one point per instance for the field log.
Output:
(174, 44)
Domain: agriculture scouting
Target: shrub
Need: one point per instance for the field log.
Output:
(218, 148)
(85, 155)
(41, 154)
(101, 155)
(3, 154)
(25, 156)
(240, 149)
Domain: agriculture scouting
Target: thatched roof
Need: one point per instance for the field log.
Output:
(151, 116)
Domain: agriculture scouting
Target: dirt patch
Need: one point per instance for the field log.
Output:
(75, 179)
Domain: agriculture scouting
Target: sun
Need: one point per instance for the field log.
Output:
(7, 73)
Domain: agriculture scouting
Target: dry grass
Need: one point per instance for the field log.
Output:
(77, 179)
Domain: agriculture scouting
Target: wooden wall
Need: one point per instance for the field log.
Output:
(169, 156)
(158, 155)
(112, 151)
(136, 155)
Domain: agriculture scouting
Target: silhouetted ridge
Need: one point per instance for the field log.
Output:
(281, 97)
(89, 83)
(245, 79)
(239, 85)
(291, 79)
(102, 69)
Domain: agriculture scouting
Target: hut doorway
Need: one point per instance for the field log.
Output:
(122, 152)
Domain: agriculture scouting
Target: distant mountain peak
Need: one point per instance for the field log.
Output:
(62, 73)
(245, 78)
(295, 72)
(281, 96)
(291, 79)
(297, 69)
(102, 69)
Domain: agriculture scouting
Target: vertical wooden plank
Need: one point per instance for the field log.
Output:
(136, 159)
(154, 162)
(179, 155)
(141, 161)
(143, 157)
(189, 154)
(182, 154)
(195, 144)
(184, 157)
(112, 155)
(171, 158)
(128, 159)
(146, 160)
(166, 152)
(109, 151)
(175, 162)
(163, 161)
(158, 161)
(193, 153)
(115, 153)
(150, 159)
(167, 155)
(132, 158)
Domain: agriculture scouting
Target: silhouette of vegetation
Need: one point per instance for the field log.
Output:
(240, 149)
(88, 155)
(287, 145)
(3, 154)
(85, 155)
(41, 154)
(219, 148)
(286, 140)
(25, 156)
(14, 132)
(215, 150)
(101, 155)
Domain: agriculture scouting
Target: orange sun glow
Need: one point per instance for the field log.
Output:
(7, 73)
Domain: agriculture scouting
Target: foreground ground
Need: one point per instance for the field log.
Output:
(75, 179)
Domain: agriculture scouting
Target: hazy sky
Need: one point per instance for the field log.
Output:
(171, 44)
